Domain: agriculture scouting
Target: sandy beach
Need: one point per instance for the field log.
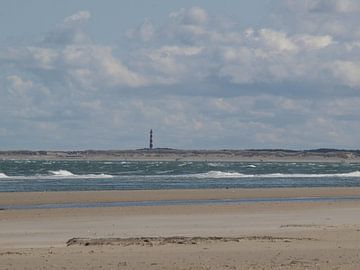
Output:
(262, 235)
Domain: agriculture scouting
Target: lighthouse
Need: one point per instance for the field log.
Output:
(151, 140)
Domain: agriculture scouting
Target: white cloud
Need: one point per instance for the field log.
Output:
(277, 40)
(76, 19)
(95, 66)
(145, 32)
(237, 55)
(168, 51)
(263, 87)
(18, 86)
(341, 6)
(171, 64)
(196, 15)
(347, 72)
(191, 49)
(187, 25)
(22, 98)
(326, 6)
(337, 18)
(74, 60)
(313, 42)
(43, 57)
(70, 30)
(192, 16)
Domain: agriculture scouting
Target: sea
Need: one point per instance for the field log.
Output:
(30, 176)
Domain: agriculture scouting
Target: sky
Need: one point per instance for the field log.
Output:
(228, 74)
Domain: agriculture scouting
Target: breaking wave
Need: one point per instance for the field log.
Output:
(3, 175)
(220, 174)
(63, 173)
(215, 164)
(67, 174)
(60, 174)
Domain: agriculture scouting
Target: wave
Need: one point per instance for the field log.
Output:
(60, 174)
(164, 172)
(217, 174)
(215, 164)
(184, 164)
(125, 162)
(63, 173)
(302, 175)
(67, 174)
(220, 174)
(3, 175)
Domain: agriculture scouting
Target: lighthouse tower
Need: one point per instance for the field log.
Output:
(151, 140)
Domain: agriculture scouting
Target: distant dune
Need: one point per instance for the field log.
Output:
(167, 154)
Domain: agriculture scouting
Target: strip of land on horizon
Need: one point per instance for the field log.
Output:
(166, 154)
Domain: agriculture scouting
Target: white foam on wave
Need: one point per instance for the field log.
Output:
(3, 175)
(185, 164)
(351, 174)
(214, 164)
(303, 175)
(64, 173)
(220, 174)
(67, 174)
(54, 175)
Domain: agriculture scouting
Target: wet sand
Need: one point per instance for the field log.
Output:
(22, 198)
(277, 235)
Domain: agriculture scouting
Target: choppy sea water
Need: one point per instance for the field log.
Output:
(122, 175)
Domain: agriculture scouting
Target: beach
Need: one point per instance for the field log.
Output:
(322, 234)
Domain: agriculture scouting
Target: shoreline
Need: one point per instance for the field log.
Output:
(62, 197)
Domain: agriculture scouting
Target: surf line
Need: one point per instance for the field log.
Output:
(176, 202)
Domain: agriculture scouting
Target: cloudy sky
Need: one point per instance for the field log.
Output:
(203, 74)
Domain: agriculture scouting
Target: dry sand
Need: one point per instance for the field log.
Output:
(277, 235)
